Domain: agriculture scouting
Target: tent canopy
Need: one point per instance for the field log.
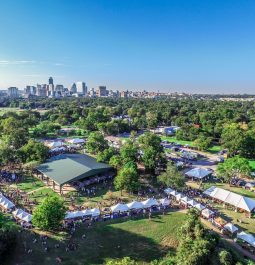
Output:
(231, 228)
(207, 213)
(119, 208)
(164, 201)
(66, 168)
(6, 203)
(168, 190)
(231, 198)
(198, 173)
(250, 239)
(135, 205)
(150, 202)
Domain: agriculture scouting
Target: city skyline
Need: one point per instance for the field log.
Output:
(170, 46)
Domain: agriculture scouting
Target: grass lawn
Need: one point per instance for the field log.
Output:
(42, 193)
(252, 164)
(141, 239)
(29, 184)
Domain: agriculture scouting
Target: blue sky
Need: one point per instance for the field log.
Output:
(196, 46)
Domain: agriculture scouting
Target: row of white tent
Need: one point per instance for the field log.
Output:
(120, 208)
(58, 144)
(184, 199)
(231, 198)
(6, 203)
(22, 215)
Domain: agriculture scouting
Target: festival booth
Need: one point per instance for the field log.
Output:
(247, 241)
(219, 223)
(150, 204)
(168, 191)
(119, 210)
(230, 229)
(198, 173)
(55, 144)
(5, 203)
(237, 201)
(207, 213)
(178, 197)
(21, 215)
(165, 202)
(199, 207)
(191, 203)
(76, 141)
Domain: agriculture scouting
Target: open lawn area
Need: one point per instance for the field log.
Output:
(141, 239)
(214, 149)
(252, 164)
(29, 184)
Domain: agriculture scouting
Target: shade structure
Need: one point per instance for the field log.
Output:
(66, 168)
(168, 191)
(6, 203)
(179, 196)
(95, 212)
(135, 205)
(248, 238)
(192, 203)
(173, 193)
(199, 206)
(22, 215)
(150, 203)
(55, 144)
(207, 213)
(77, 141)
(198, 173)
(120, 207)
(231, 228)
(164, 201)
(231, 198)
(185, 199)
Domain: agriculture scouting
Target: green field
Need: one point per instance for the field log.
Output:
(141, 239)
(252, 164)
(213, 149)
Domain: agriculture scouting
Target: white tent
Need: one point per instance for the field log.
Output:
(55, 144)
(173, 193)
(6, 203)
(231, 198)
(250, 239)
(198, 173)
(149, 203)
(135, 205)
(168, 191)
(207, 213)
(185, 199)
(178, 196)
(120, 207)
(22, 215)
(231, 228)
(164, 201)
(192, 203)
(199, 206)
(95, 212)
(77, 141)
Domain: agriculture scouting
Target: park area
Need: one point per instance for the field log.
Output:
(140, 239)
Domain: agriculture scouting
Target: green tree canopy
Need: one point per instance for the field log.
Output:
(96, 143)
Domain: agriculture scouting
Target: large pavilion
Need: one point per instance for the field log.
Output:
(66, 168)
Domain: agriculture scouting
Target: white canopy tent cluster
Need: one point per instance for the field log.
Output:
(6, 203)
(198, 173)
(22, 215)
(79, 214)
(184, 199)
(236, 200)
(248, 238)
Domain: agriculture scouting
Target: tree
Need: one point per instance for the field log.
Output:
(49, 214)
(203, 142)
(128, 152)
(116, 161)
(7, 154)
(33, 151)
(225, 258)
(105, 155)
(234, 167)
(127, 178)
(124, 261)
(152, 151)
(172, 177)
(96, 143)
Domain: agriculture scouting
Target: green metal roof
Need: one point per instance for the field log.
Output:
(65, 168)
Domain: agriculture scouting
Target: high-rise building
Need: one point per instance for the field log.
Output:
(13, 92)
(30, 90)
(81, 88)
(73, 88)
(50, 81)
(102, 92)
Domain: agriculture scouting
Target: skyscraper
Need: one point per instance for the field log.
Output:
(81, 88)
(102, 92)
(73, 88)
(50, 81)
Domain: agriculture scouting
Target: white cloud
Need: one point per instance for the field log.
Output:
(16, 62)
